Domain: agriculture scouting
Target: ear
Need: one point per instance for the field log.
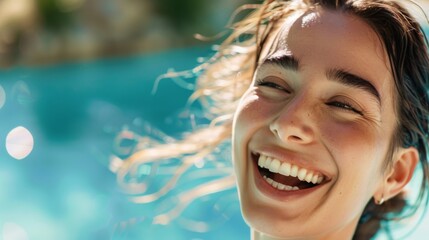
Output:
(404, 162)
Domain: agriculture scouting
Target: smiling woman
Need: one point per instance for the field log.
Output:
(326, 105)
(322, 118)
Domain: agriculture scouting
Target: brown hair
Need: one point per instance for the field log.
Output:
(226, 76)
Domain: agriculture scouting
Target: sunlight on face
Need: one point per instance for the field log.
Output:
(312, 132)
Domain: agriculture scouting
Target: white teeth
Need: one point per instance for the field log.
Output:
(267, 163)
(261, 161)
(302, 173)
(275, 184)
(280, 186)
(309, 177)
(274, 166)
(287, 169)
(294, 171)
(314, 179)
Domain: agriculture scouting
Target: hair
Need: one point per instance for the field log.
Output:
(224, 78)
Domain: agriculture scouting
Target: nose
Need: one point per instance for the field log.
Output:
(294, 124)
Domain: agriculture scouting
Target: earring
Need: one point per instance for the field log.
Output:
(379, 202)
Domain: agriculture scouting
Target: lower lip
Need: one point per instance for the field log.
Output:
(281, 195)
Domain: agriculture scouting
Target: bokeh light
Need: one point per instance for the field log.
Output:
(19, 143)
(21, 93)
(13, 231)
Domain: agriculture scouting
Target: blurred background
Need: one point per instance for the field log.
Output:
(76, 81)
(51, 31)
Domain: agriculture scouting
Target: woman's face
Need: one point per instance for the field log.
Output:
(312, 132)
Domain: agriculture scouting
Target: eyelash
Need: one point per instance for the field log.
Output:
(262, 82)
(344, 105)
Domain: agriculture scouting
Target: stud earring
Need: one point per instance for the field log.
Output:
(379, 202)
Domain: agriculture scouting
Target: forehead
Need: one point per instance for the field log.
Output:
(338, 27)
(332, 39)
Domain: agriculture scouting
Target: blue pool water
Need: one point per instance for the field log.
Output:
(64, 189)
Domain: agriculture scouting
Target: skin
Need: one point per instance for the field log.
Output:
(305, 117)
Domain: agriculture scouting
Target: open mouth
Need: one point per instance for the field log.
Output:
(286, 176)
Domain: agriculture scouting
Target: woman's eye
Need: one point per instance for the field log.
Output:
(271, 85)
(345, 106)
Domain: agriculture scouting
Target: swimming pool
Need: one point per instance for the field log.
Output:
(64, 188)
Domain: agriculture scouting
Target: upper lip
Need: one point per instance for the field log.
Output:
(292, 158)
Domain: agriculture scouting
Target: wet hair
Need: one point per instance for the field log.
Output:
(224, 78)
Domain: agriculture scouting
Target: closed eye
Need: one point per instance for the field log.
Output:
(344, 106)
(264, 83)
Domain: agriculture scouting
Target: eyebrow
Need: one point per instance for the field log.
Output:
(353, 80)
(287, 61)
(284, 61)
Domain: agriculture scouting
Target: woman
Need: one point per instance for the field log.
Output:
(328, 109)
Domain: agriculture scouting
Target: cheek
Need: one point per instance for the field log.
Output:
(354, 140)
(359, 151)
(250, 115)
